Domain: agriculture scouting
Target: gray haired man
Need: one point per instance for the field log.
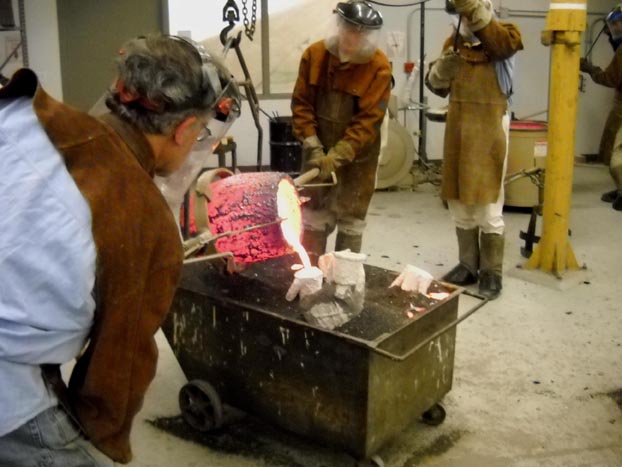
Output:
(90, 254)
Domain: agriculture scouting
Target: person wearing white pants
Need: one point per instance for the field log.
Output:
(475, 71)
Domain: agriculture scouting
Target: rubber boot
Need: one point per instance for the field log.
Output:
(610, 196)
(314, 242)
(465, 273)
(616, 173)
(491, 265)
(345, 241)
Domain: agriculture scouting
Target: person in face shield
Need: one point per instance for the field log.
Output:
(477, 76)
(90, 254)
(338, 104)
(610, 149)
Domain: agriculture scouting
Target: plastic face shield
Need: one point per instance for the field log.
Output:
(356, 43)
(227, 104)
(614, 23)
(224, 111)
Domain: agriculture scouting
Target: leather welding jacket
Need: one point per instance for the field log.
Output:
(139, 259)
(611, 77)
(475, 142)
(343, 101)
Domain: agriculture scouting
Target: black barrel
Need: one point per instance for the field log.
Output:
(285, 150)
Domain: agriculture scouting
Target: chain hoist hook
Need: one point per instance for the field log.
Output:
(230, 14)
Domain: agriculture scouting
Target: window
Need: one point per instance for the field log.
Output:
(291, 26)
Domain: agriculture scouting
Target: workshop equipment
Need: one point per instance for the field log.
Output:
(527, 150)
(285, 149)
(239, 341)
(230, 15)
(396, 158)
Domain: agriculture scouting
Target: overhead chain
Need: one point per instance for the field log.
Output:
(249, 26)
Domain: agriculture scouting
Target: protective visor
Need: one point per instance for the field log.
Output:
(614, 23)
(352, 43)
(224, 110)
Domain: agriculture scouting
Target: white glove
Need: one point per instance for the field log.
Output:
(445, 69)
(413, 279)
(477, 12)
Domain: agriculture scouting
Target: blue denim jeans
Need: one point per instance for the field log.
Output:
(51, 439)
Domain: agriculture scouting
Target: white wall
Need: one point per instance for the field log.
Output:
(43, 49)
(531, 88)
(532, 75)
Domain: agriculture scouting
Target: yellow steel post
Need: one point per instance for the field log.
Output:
(565, 22)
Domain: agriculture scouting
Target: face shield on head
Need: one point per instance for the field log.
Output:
(356, 33)
(614, 23)
(224, 110)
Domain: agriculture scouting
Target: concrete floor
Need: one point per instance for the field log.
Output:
(537, 372)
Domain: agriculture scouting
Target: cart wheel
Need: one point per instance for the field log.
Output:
(374, 461)
(434, 416)
(200, 405)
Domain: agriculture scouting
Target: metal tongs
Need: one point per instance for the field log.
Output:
(302, 180)
(196, 243)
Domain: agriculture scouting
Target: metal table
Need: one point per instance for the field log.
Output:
(239, 341)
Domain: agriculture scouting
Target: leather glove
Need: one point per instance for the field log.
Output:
(445, 69)
(477, 12)
(586, 66)
(340, 154)
(413, 279)
(313, 148)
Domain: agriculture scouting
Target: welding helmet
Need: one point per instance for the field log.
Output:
(357, 30)
(614, 24)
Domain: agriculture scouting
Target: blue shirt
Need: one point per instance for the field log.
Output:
(47, 264)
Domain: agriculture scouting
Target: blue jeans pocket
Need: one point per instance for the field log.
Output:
(57, 429)
(64, 442)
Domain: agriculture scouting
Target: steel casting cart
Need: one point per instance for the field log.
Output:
(240, 342)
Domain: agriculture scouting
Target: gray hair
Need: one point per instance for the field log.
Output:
(160, 83)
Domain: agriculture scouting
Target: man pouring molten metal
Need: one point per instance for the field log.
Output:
(338, 104)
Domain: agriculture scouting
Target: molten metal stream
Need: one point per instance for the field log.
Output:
(288, 207)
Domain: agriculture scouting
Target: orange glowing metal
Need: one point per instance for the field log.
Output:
(247, 211)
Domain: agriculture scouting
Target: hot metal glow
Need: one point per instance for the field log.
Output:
(263, 200)
(288, 208)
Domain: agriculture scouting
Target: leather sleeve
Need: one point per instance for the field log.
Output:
(612, 75)
(138, 263)
(107, 388)
(303, 100)
(500, 40)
